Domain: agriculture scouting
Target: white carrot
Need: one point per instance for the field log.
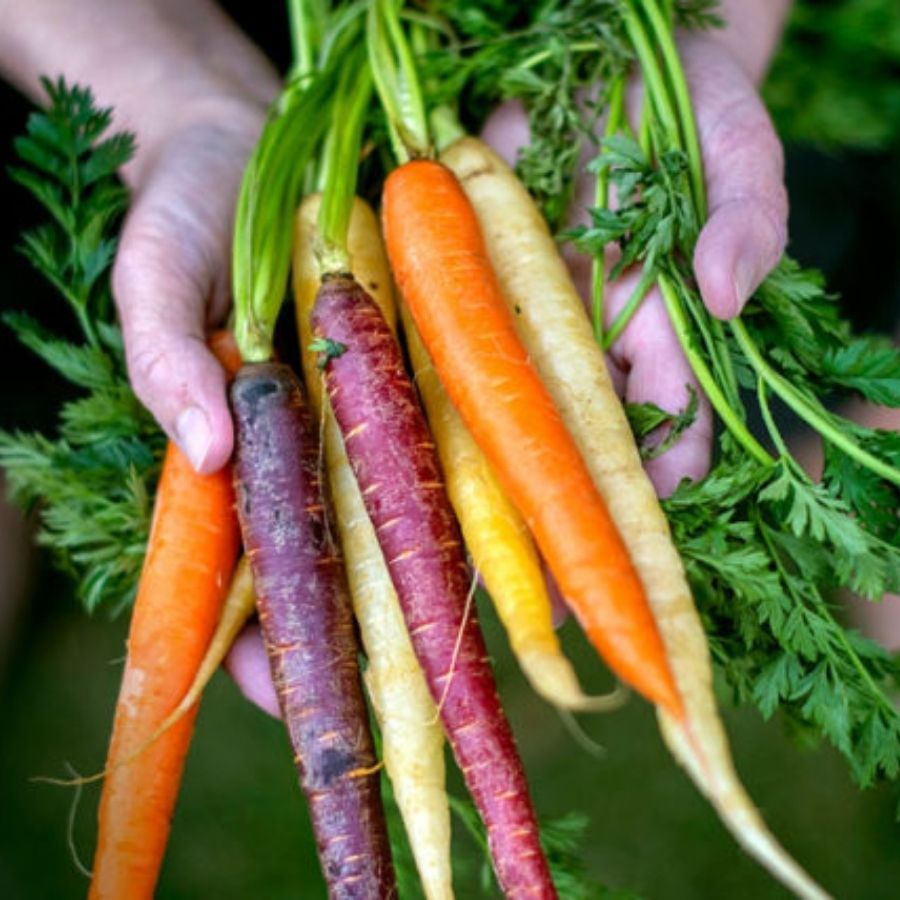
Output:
(554, 327)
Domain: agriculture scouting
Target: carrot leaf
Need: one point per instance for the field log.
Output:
(647, 418)
(327, 350)
(270, 192)
(93, 482)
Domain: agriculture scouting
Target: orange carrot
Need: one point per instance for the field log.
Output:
(440, 263)
(191, 554)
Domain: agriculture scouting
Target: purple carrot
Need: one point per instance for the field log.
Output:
(305, 614)
(396, 465)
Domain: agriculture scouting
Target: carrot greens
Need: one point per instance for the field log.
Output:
(270, 191)
(646, 419)
(95, 479)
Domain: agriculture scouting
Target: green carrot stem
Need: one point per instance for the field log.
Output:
(445, 126)
(85, 320)
(811, 412)
(543, 55)
(613, 123)
(444, 119)
(645, 135)
(712, 332)
(769, 421)
(654, 80)
(675, 72)
(412, 104)
(685, 113)
(342, 164)
(397, 82)
(300, 21)
(641, 289)
(269, 194)
(661, 101)
(707, 380)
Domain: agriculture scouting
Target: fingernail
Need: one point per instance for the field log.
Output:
(193, 435)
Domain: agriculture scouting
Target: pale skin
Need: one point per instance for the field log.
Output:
(195, 91)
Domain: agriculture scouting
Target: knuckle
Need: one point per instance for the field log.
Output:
(155, 259)
(744, 155)
(775, 210)
(741, 126)
(147, 366)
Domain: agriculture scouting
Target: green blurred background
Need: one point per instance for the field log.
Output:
(240, 830)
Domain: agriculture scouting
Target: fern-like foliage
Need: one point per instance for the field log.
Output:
(91, 482)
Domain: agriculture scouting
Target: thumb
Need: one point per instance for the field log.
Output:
(169, 281)
(747, 228)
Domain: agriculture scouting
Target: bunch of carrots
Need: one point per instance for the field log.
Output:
(454, 421)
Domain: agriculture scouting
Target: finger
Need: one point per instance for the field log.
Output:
(658, 372)
(170, 284)
(746, 232)
(248, 665)
(506, 130)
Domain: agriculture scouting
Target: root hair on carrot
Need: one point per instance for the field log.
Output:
(70, 824)
(579, 735)
(467, 611)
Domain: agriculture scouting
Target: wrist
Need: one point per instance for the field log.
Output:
(162, 65)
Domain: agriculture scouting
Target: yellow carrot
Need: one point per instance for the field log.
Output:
(552, 324)
(500, 545)
(412, 739)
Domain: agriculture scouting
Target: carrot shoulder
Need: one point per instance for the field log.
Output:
(441, 267)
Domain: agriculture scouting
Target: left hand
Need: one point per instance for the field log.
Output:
(741, 242)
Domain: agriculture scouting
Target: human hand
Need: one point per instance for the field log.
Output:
(171, 277)
(194, 90)
(741, 242)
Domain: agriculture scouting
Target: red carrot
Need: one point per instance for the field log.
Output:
(191, 554)
(305, 613)
(396, 465)
(441, 266)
